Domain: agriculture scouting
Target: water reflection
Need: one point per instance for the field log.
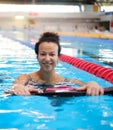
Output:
(59, 101)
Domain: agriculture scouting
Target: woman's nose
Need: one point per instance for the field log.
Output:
(47, 57)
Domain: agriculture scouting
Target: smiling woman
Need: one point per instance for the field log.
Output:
(48, 50)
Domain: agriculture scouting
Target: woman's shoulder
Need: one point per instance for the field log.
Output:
(63, 79)
(26, 76)
(75, 81)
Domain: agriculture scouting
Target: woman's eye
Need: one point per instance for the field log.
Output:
(42, 54)
(52, 54)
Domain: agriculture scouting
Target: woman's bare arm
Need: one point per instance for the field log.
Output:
(19, 86)
(21, 80)
(78, 82)
(92, 88)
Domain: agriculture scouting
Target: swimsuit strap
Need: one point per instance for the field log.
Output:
(31, 81)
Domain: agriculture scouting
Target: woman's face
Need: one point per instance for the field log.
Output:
(48, 55)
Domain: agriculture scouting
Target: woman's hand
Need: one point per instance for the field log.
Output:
(22, 90)
(19, 89)
(92, 88)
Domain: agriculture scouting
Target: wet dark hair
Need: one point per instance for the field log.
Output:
(48, 37)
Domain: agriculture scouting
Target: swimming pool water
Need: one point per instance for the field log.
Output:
(43, 113)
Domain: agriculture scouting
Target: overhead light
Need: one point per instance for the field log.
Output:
(19, 17)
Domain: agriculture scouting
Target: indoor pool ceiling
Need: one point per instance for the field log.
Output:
(60, 2)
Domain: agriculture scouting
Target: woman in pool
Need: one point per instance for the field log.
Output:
(48, 50)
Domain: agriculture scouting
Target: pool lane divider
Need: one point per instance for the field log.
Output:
(97, 70)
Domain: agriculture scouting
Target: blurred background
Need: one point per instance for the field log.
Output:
(69, 17)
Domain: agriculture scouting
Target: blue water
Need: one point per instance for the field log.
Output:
(99, 51)
(43, 113)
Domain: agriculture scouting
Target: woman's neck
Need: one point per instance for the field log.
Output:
(48, 77)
